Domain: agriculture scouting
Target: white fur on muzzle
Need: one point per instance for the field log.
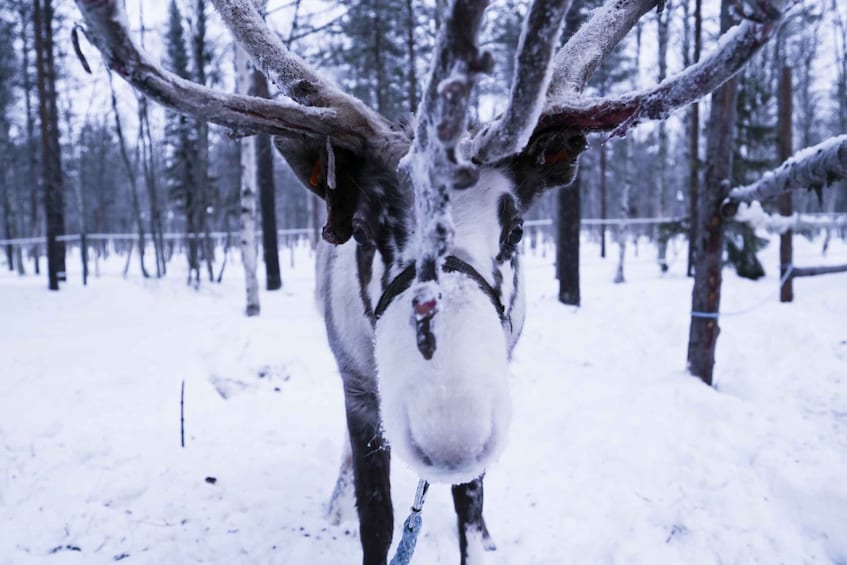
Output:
(447, 417)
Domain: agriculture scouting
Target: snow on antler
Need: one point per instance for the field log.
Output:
(432, 165)
(297, 80)
(592, 43)
(243, 115)
(577, 60)
(510, 133)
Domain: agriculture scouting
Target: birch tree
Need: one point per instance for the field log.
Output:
(244, 81)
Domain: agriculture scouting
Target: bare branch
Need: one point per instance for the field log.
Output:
(243, 115)
(735, 48)
(815, 271)
(510, 133)
(812, 168)
(582, 54)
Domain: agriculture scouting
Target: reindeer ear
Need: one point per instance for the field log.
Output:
(549, 161)
(332, 174)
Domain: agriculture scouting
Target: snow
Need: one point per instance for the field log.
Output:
(615, 455)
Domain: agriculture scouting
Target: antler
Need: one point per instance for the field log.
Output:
(656, 103)
(592, 43)
(579, 58)
(323, 114)
(299, 82)
(510, 133)
(433, 166)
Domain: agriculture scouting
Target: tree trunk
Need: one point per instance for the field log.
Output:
(244, 81)
(623, 230)
(130, 173)
(705, 298)
(694, 149)
(267, 196)
(50, 147)
(145, 141)
(410, 50)
(663, 28)
(603, 213)
(148, 163)
(786, 203)
(567, 247)
(203, 186)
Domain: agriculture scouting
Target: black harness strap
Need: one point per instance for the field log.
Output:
(452, 264)
(400, 284)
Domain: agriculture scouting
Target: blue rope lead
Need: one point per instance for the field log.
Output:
(789, 270)
(411, 528)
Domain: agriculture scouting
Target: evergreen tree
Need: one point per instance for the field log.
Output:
(181, 143)
(377, 65)
(8, 199)
(754, 153)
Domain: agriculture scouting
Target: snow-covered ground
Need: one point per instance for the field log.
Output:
(615, 454)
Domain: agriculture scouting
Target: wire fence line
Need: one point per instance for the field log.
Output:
(147, 236)
(810, 221)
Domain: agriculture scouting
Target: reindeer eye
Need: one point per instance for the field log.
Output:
(515, 235)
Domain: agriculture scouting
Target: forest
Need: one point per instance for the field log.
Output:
(87, 159)
(168, 393)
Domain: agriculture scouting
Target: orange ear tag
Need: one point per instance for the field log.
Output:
(553, 158)
(315, 178)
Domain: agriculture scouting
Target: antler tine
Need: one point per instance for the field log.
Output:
(300, 83)
(656, 103)
(511, 132)
(285, 69)
(433, 166)
(441, 121)
(243, 115)
(574, 64)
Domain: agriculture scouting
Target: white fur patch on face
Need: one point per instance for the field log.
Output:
(446, 417)
(475, 215)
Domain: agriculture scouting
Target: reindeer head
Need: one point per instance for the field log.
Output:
(443, 206)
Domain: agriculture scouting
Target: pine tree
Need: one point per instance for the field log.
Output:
(376, 56)
(8, 70)
(181, 141)
(754, 153)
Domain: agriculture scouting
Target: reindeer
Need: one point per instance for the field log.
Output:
(419, 277)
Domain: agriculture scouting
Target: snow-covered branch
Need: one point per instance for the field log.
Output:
(510, 133)
(812, 168)
(618, 114)
(754, 215)
(243, 115)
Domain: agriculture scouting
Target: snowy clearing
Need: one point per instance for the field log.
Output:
(615, 454)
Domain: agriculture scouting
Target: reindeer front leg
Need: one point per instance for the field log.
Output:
(371, 470)
(467, 500)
